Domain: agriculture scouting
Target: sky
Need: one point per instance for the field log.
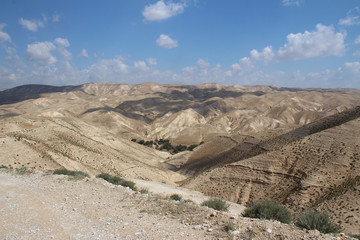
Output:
(287, 43)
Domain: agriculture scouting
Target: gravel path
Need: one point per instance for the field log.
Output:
(53, 207)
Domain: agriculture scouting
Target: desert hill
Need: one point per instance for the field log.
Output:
(308, 167)
(297, 146)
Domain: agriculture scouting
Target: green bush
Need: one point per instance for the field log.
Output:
(117, 181)
(144, 191)
(321, 221)
(64, 171)
(128, 184)
(216, 204)
(111, 179)
(265, 209)
(191, 147)
(175, 197)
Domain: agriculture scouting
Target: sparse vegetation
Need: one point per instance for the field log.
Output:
(21, 170)
(165, 145)
(321, 221)
(64, 171)
(175, 197)
(265, 209)
(231, 226)
(117, 181)
(216, 203)
(3, 166)
(339, 190)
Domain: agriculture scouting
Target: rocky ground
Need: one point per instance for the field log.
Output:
(35, 205)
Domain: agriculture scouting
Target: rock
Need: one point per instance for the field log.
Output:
(268, 230)
(210, 230)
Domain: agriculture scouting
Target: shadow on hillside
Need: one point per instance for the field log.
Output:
(247, 150)
(33, 91)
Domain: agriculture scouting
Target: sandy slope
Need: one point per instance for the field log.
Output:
(39, 206)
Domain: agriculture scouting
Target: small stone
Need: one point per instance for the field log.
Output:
(232, 217)
(236, 232)
(268, 230)
(342, 234)
(213, 214)
(209, 230)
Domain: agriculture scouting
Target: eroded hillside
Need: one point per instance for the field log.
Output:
(258, 142)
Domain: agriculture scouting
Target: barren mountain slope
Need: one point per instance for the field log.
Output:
(184, 114)
(48, 143)
(320, 170)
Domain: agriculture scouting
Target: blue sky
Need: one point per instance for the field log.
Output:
(292, 43)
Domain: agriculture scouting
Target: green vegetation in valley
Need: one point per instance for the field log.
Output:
(165, 145)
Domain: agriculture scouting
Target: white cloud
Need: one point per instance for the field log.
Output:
(291, 2)
(62, 42)
(320, 43)
(165, 41)
(350, 21)
(4, 37)
(240, 68)
(161, 10)
(31, 25)
(352, 18)
(41, 52)
(266, 55)
(202, 63)
(108, 69)
(83, 53)
(152, 61)
(141, 65)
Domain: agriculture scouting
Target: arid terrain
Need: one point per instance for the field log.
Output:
(299, 147)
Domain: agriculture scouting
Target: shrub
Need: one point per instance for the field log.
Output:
(128, 184)
(231, 226)
(111, 179)
(216, 204)
(356, 236)
(144, 191)
(321, 221)
(265, 209)
(191, 147)
(3, 166)
(117, 181)
(175, 197)
(64, 171)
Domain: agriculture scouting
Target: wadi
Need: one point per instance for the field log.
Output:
(299, 147)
